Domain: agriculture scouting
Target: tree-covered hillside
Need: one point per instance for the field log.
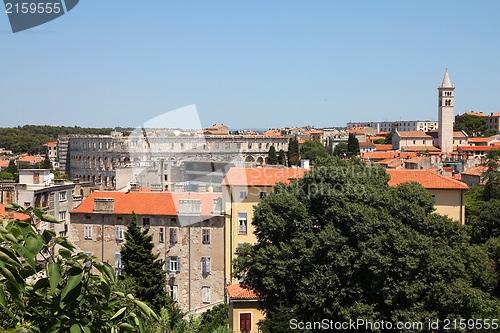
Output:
(30, 138)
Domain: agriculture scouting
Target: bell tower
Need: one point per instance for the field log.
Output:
(446, 114)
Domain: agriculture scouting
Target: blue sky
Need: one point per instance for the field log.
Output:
(250, 63)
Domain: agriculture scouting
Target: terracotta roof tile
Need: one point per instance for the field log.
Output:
(238, 292)
(261, 176)
(475, 148)
(383, 147)
(148, 203)
(367, 144)
(17, 216)
(476, 171)
(414, 134)
(474, 140)
(428, 179)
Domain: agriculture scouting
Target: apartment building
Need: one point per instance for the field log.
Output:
(188, 235)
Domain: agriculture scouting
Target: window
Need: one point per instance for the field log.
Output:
(161, 235)
(146, 222)
(245, 321)
(262, 194)
(205, 236)
(88, 232)
(119, 233)
(62, 216)
(243, 194)
(62, 196)
(242, 222)
(205, 264)
(205, 294)
(173, 236)
(173, 293)
(118, 261)
(174, 264)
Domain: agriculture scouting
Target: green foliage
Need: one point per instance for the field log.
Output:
(340, 243)
(12, 168)
(30, 138)
(473, 199)
(72, 297)
(487, 223)
(341, 150)
(472, 125)
(46, 164)
(492, 176)
(293, 152)
(490, 132)
(352, 145)
(59, 175)
(214, 318)
(281, 157)
(145, 269)
(379, 141)
(312, 150)
(6, 176)
(272, 157)
(388, 137)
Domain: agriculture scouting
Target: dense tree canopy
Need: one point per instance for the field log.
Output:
(282, 157)
(272, 158)
(144, 267)
(312, 150)
(352, 145)
(293, 152)
(341, 150)
(388, 137)
(340, 243)
(472, 125)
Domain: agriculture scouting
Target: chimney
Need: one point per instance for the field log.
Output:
(135, 187)
(76, 181)
(104, 205)
(58, 181)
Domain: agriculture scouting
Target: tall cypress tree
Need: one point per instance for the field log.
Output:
(12, 169)
(143, 267)
(352, 145)
(282, 157)
(272, 158)
(46, 164)
(293, 152)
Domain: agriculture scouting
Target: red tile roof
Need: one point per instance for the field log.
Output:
(459, 135)
(4, 163)
(356, 130)
(383, 147)
(475, 148)
(367, 144)
(495, 115)
(29, 158)
(476, 171)
(261, 176)
(382, 155)
(148, 203)
(50, 144)
(428, 179)
(236, 291)
(17, 216)
(473, 113)
(473, 140)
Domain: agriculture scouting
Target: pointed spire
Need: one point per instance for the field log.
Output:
(446, 81)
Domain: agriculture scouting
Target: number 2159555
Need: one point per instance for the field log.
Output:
(31, 7)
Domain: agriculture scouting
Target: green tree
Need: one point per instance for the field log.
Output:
(492, 176)
(12, 168)
(341, 245)
(352, 145)
(272, 157)
(341, 150)
(487, 223)
(388, 138)
(71, 297)
(281, 157)
(144, 268)
(214, 318)
(293, 152)
(472, 125)
(6, 176)
(46, 164)
(473, 200)
(312, 150)
(379, 141)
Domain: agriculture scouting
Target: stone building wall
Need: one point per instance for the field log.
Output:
(95, 158)
(189, 247)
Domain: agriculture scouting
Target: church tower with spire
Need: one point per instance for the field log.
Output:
(446, 114)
